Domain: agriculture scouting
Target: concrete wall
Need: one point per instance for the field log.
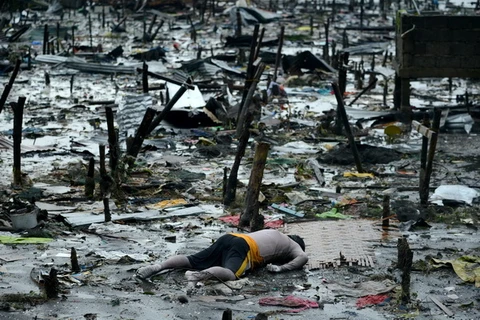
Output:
(438, 46)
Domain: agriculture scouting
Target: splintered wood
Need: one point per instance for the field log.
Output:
(337, 243)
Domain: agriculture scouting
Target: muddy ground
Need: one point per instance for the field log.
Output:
(65, 129)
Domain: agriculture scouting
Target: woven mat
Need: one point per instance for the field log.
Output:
(337, 243)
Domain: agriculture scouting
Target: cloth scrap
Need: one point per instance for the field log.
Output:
(362, 289)
(371, 300)
(466, 267)
(332, 214)
(299, 304)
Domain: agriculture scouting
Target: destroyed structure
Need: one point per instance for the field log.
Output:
(134, 130)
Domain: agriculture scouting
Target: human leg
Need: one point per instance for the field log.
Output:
(218, 273)
(174, 262)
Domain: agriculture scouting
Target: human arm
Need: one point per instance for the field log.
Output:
(299, 260)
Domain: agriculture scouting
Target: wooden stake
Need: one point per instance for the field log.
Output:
(425, 185)
(74, 261)
(58, 37)
(90, 31)
(227, 315)
(145, 77)
(348, 131)
(142, 132)
(90, 180)
(405, 258)
(112, 141)
(239, 23)
(51, 284)
(9, 85)
(386, 211)
(250, 216)
(17, 140)
(279, 53)
(45, 39)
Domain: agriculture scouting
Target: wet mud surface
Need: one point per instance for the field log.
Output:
(62, 131)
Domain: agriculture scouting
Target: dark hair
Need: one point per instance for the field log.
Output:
(298, 240)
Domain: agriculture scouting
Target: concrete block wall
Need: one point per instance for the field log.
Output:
(438, 46)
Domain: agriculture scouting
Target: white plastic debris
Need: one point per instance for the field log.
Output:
(454, 192)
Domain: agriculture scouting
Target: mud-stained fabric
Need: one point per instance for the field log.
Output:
(228, 251)
(253, 258)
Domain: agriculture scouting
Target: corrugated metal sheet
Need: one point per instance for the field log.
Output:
(130, 114)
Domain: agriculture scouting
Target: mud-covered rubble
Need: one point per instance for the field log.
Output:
(171, 200)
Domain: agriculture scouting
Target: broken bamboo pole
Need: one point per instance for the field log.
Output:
(370, 85)
(251, 217)
(348, 131)
(9, 85)
(134, 147)
(17, 140)
(279, 53)
(156, 121)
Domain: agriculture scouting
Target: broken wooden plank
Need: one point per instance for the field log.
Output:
(423, 130)
(444, 308)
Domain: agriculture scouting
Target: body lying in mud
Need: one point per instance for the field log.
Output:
(234, 254)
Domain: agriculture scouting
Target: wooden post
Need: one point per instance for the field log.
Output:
(405, 258)
(326, 51)
(150, 28)
(425, 186)
(74, 261)
(279, 53)
(250, 71)
(250, 217)
(145, 77)
(227, 315)
(406, 110)
(45, 39)
(90, 180)
(90, 31)
(72, 78)
(348, 131)
(9, 85)
(103, 16)
(105, 184)
(58, 37)
(239, 24)
(73, 40)
(243, 125)
(51, 284)
(142, 131)
(386, 212)
(112, 141)
(17, 140)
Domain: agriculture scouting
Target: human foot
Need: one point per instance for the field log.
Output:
(147, 272)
